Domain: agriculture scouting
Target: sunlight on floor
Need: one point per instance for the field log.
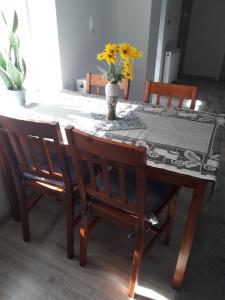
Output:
(149, 293)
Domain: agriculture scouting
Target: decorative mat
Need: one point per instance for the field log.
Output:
(124, 121)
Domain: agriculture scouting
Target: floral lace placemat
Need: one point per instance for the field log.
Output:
(124, 121)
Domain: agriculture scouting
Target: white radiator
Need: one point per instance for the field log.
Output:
(171, 65)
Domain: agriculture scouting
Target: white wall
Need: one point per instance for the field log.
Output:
(133, 27)
(171, 29)
(154, 49)
(160, 42)
(79, 47)
(172, 24)
(206, 41)
(109, 17)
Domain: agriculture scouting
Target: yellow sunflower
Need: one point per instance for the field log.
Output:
(134, 53)
(127, 64)
(128, 73)
(101, 56)
(111, 48)
(110, 58)
(124, 50)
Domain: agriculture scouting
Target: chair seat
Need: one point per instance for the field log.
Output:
(157, 191)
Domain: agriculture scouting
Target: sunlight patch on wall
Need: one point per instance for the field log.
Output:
(45, 46)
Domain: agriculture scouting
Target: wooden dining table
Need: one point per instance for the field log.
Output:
(183, 146)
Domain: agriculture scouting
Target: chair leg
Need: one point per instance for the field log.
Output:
(170, 216)
(83, 241)
(70, 226)
(137, 258)
(24, 216)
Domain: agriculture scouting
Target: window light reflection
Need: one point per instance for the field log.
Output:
(198, 104)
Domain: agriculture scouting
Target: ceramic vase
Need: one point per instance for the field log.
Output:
(112, 94)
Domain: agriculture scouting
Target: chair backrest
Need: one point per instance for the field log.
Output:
(171, 90)
(98, 82)
(34, 148)
(105, 155)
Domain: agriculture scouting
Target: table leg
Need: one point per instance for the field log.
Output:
(189, 232)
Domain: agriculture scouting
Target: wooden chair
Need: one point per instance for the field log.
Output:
(98, 81)
(121, 192)
(171, 90)
(36, 157)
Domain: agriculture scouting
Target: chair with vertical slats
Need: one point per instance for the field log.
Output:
(121, 193)
(36, 157)
(98, 82)
(171, 91)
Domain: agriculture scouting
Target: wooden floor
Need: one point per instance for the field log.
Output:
(39, 270)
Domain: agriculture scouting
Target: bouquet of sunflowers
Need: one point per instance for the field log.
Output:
(118, 61)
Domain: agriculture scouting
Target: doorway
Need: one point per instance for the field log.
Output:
(201, 39)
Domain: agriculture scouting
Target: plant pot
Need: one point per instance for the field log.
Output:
(15, 98)
(112, 94)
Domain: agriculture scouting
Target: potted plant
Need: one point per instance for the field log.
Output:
(12, 65)
(118, 60)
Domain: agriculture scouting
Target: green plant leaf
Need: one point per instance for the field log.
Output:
(13, 40)
(15, 75)
(3, 17)
(6, 79)
(17, 54)
(102, 70)
(120, 77)
(15, 22)
(14, 46)
(2, 61)
(24, 69)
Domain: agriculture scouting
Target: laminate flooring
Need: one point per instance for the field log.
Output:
(39, 270)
